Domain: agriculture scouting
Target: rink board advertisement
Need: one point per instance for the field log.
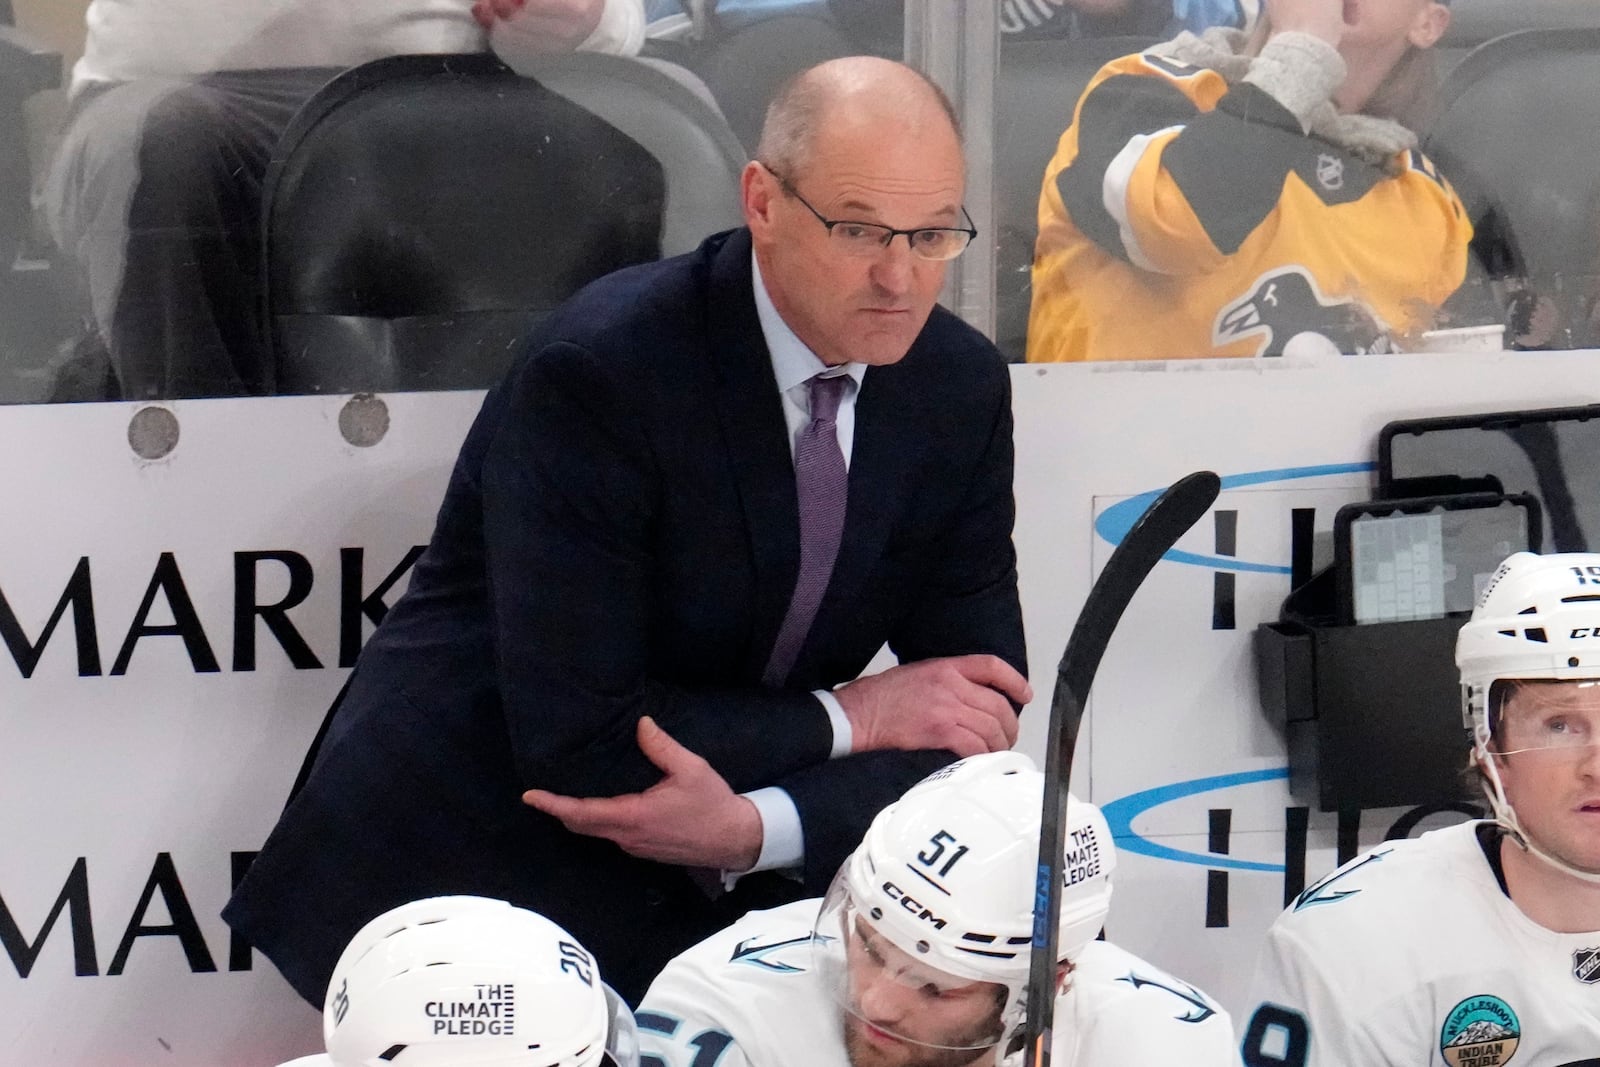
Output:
(175, 627)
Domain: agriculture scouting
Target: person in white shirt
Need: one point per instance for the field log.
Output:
(463, 981)
(154, 193)
(1477, 945)
(918, 954)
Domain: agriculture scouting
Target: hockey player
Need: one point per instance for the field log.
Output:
(918, 954)
(1477, 943)
(470, 982)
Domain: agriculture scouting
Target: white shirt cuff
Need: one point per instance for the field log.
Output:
(782, 839)
(840, 722)
(620, 31)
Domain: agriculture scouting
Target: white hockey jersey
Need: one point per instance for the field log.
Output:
(747, 997)
(1412, 956)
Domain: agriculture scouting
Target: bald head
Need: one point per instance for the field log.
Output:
(856, 91)
(863, 144)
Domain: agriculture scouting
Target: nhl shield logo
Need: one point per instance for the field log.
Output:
(1330, 172)
(1481, 1031)
(1586, 965)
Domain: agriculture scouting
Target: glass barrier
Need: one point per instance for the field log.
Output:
(236, 202)
(208, 203)
(1232, 195)
(205, 198)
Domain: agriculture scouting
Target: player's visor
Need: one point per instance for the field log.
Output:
(889, 996)
(1549, 717)
(622, 1036)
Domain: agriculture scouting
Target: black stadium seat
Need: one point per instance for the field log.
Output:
(1518, 134)
(699, 155)
(1037, 88)
(745, 68)
(1475, 22)
(422, 212)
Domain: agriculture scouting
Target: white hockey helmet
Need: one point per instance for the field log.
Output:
(946, 875)
(460, 980)
(1537, 618)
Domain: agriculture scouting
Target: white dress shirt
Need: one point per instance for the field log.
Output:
(129, 40)
(793, 365)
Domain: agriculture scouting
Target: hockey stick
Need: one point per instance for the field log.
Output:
(1156, 531)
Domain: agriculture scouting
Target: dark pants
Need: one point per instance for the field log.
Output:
(155, 196)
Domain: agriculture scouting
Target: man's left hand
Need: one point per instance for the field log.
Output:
(690, 818)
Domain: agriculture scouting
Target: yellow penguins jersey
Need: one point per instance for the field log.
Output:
(1412, 955)
(748, 997)
(1185, 217)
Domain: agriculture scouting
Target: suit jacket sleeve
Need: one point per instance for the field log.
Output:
(570, 494)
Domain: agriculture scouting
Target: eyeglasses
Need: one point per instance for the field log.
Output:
(935, 243)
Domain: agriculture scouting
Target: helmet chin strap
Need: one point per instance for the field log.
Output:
(1505, 816)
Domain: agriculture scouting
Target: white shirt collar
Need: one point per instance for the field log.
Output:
(792, 362)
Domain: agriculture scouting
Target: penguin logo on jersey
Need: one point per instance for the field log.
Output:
(1481, 1031)
(1285, 306)
(1586, 965)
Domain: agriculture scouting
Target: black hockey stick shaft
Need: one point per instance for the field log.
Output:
(1156, 531)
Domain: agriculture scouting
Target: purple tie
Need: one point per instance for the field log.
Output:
(820, 482)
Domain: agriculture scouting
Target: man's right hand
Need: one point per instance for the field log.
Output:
(959, 703)
(1320, 18)
(544, 25)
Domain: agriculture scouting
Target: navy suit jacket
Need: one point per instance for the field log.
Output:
(620, 538)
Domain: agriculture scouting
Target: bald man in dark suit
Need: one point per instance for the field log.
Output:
(623, 687)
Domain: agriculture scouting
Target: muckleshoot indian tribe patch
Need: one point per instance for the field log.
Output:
(1481, 1031)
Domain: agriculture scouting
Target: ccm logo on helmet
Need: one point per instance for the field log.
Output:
(1584, 631)
(915, 907)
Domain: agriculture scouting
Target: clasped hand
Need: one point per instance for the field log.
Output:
(958, 703)
(691, 817)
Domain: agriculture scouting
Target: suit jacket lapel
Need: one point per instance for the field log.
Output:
(882, 459)
(750, 413)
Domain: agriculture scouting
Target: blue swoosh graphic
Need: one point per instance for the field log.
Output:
(1115, 522)
(1121, 812)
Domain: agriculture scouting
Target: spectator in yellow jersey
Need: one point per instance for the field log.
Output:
(1251, 194)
